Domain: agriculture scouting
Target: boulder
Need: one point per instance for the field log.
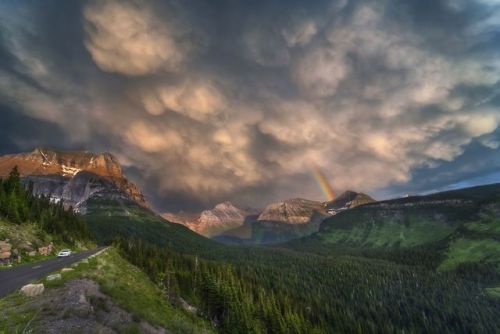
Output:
(32, 253)
(5, 246)
(32, 290)
(46, 250)
(54, 277)
(64, 270)
(5, 250)
(4, 255)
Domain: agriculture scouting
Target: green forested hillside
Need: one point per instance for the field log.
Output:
(265, 232)
(399, 267)
(19, 206)
(449, 228)
(109, 219)
(264, 290)
(410, 221)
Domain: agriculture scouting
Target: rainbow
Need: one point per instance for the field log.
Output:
(323, 183)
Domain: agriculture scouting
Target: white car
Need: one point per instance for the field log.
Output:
(64, 253)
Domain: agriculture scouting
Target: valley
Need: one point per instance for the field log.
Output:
(352, 265)
(250, 167)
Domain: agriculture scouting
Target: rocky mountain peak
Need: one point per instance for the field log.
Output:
(52, 170)
(349, 199)
(224, 216)
(293, 211)
(104, 164)
(225, 206)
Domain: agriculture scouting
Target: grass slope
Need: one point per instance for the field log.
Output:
(476, 241)
(390, 233)
(126, 285)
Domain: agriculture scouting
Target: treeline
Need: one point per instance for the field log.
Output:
(232, 304)
(258, 290)
(19, 205)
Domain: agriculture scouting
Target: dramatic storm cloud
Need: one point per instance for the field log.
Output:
(204, 101)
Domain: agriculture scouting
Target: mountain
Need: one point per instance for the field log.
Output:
(102, 293)
(96, 187)
(73, 177)
(294, 211)
(348, 200)
(291, 219)
(223, 217)
(281, 221)
(302, 211)
(278, 222)
(450, 230)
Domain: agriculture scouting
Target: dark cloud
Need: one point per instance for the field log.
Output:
(19, 133)
(477, 165)
(205, 101)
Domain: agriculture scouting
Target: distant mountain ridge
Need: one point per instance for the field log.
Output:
(291, 219)
(73, 176)
(294, 211)
(349, 199)
(224, 216)
(443, 224)
(279, 221)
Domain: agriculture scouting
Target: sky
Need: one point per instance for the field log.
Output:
(207, 101)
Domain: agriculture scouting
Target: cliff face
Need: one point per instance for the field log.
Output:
(48, 162)
(223, 217)
(294, 211)
(72, 176)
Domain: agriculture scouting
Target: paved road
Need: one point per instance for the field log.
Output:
(15, 278)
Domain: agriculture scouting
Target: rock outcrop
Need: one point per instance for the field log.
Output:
(73, 177)
(32, 290)
(5, 250)
(46, 250)
(79, 306)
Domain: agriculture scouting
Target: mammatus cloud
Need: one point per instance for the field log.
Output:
(320, 71)
(129, 37)
(196, 99)
(300, 34)
(358, 89)
(150, 139)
